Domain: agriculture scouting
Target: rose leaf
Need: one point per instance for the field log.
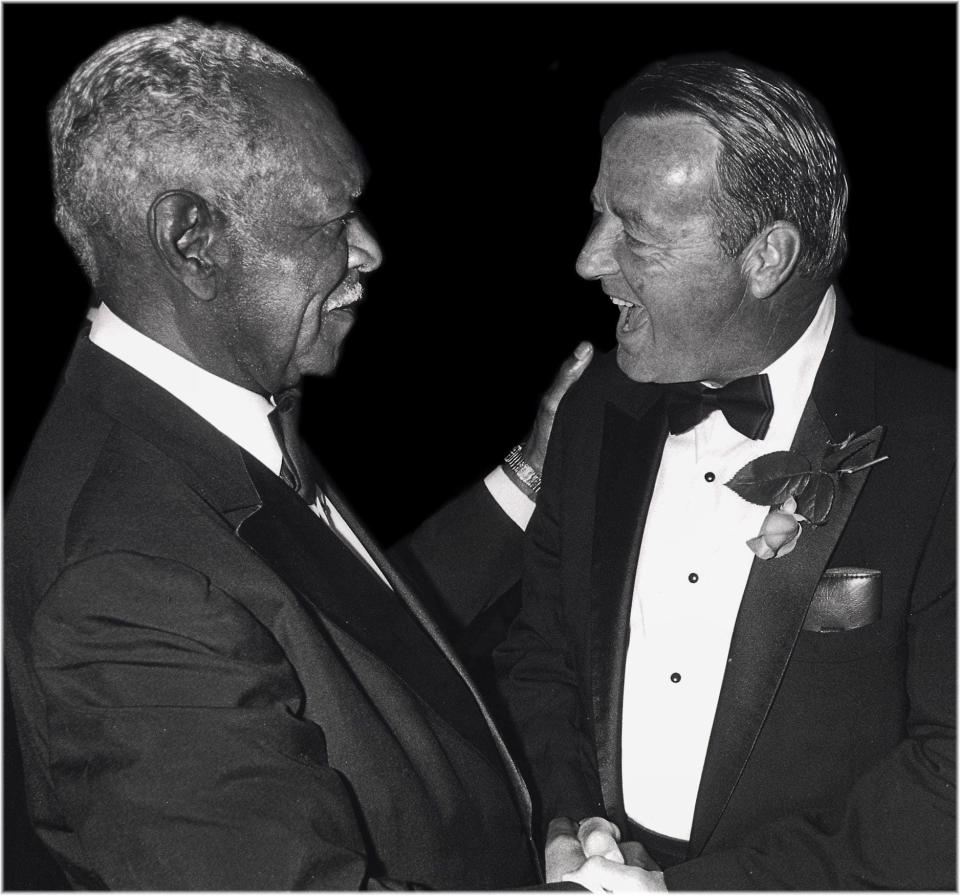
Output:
(816, 499)
(771, 479)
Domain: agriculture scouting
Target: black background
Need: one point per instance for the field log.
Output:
(480, 124)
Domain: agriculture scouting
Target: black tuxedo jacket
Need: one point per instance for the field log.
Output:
(831, 760)
(212, 691)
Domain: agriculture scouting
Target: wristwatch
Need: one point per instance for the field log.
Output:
(522, 470)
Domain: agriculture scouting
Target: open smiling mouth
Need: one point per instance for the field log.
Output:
(632, 316)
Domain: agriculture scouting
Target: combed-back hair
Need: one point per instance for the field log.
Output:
(777, 160)
(169, 106)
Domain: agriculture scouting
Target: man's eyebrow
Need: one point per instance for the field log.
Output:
(342, 201)
(634, 217)
(631, 216)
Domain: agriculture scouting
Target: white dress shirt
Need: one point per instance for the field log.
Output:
(241, 415)
(691, 574)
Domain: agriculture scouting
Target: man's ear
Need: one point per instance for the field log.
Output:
(182, 231)
(770, 258)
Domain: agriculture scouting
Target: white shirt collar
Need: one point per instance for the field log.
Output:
(238, 413)
(792, 374)
(791, 382)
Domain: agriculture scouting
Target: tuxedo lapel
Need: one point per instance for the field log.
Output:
(778, 594)
(343, 589)
(313, 560)
(405, 592)
(629, 460)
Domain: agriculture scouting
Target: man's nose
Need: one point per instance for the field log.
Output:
(363, 250)
(596, 257)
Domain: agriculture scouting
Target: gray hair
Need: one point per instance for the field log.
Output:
(778, 159)
(170, 106)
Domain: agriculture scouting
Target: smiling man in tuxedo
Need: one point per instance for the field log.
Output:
(219, 679)
(737, 642)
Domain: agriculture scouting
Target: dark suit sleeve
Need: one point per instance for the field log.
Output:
(174, 737)
(897, 829)
(535, 667)
(468, 554)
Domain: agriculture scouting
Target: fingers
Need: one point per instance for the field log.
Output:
(561, 826)
(569, 845)
(583, 352)
(563, 852)
(570, 371)
(599, 838)
(535, 445)
(600, 876)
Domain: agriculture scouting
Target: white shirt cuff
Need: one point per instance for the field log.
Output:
(512, 500)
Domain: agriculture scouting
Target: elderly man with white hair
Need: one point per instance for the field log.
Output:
(220, 680)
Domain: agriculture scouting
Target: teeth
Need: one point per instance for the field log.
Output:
(620, 303)
(349, 294)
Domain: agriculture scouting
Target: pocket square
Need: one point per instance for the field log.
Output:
(845, 599)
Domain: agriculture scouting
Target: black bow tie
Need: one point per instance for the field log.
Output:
(746, 403)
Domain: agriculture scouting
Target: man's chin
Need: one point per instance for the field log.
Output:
(315, 369)
(637, 368)
(649, 367)
(322, 360)
(320, 353)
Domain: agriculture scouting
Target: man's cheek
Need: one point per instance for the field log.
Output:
(329, 253)
(638, 268)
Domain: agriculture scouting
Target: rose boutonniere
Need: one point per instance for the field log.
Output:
(779, 531)
(798, 490)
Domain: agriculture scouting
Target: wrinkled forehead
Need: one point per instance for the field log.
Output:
(671, 157)
(311, 149)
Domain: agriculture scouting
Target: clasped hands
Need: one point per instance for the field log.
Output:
(591, 854)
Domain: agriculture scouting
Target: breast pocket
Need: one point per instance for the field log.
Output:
(844, 621)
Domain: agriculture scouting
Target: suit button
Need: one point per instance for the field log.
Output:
(693, 577)
(709, 476)
(675, 677)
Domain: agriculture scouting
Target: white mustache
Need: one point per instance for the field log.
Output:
(344, 296)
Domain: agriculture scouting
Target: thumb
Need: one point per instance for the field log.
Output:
(599, 837)
(577, 363)
(570, 371)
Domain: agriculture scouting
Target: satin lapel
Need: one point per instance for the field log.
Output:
(313, 560)
(629, 460)
(308, 556)
(405, 592)
(775, 601)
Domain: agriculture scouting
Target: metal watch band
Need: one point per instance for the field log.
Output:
(523, 470)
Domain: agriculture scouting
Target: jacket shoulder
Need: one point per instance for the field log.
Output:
(89, 485)
(914, 388)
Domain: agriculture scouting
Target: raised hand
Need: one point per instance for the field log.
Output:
(535, 445)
